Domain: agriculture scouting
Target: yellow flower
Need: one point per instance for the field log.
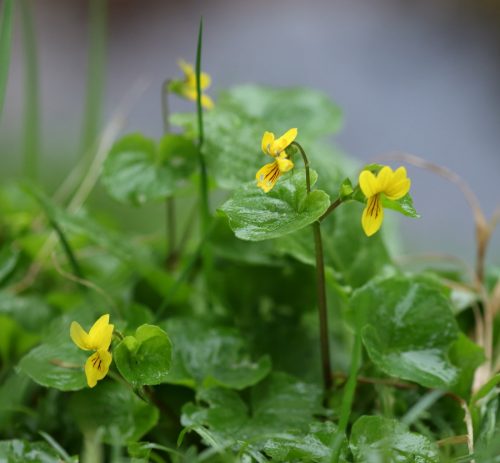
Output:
(269, 174)
(392, 184)
(99, 340)
(188, 85)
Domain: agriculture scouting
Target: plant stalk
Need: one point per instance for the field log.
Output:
(320, 287)
(204, 199)
(322, 307)
(350, 388)
(204, 204)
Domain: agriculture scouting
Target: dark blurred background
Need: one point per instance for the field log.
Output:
(417, 76)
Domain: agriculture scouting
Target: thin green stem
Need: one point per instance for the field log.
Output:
(350, 388)
(77, 270)
(5, 41)
(204, 203)
(95, 73)
(51, 217)
(320, 286)
(165, 112)
(331, 208)
(32, 102)
(322, 307)
(306, 165)
(204, 199)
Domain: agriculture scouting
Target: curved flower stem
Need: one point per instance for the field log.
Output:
(171, 226)
(320, 286)
(332, 207)
(306, 165)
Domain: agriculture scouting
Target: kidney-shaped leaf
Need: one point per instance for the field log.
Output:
(280, 420)
(22, 451)
(205, 356)
(254, 215)
(144, 359)
(138, 170)
(375, 438)
(58, 364)
(407, 327)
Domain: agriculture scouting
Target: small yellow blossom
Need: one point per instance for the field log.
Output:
(97, 339)
(268, 175)
(392, 184)
(188, 86)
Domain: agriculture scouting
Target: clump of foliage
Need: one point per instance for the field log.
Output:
(270, 322)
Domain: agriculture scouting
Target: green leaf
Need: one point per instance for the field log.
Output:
(58, 364)
(314, 446)
(114, 408)
(144, 359)
(378, 439)
(137, 170)
(346, 190)
(407, 327)
(205, 356)
(282, 412)
(467, 356)
(14, 391)
(234, 128)
(280, 109)
(8, 260)
(30, 312)
(403, 205)
(22, 451)
(254, 215)
(486, 388)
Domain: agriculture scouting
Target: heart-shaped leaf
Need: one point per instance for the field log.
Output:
(145, 358)
(254, 215)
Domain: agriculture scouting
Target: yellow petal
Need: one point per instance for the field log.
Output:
(284, 164)
(79, 336)
(101, 333)
(189, 92)
(97, 366)
(267, 142)
(282, 142)
(207, 102)
(205, 80)
(267, 176)
(368, 183)
(186, 68)
(384, 178)
(373, 215)
(399, 184)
